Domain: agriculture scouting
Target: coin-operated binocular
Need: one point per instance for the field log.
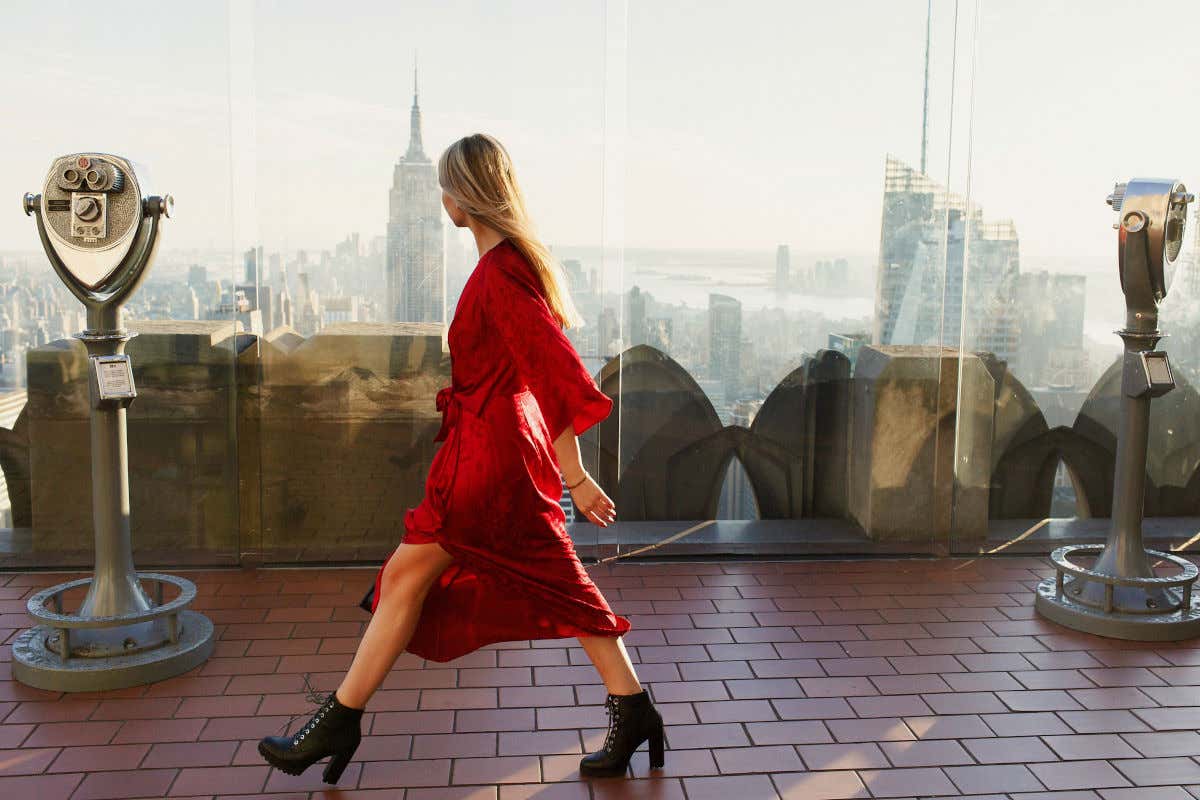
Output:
(1121, 595)
(100, 233)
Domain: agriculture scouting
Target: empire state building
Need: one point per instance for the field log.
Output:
(416, 275)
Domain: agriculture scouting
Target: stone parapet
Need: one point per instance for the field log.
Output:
(285, 448)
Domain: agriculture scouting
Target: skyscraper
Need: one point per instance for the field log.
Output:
(252, 263)
(415, 266)
(725, 342)
(945, 275)
(782, 267)
(982, 271)
(637, 316)
(608, 334)
(909, 251)
(256, 295)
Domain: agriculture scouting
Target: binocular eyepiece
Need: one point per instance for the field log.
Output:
(1153, 209)
(93, 220)
(94, 172)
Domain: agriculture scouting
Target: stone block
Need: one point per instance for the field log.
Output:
(902, 481)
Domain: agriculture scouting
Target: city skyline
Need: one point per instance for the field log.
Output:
(274, 101)
(920, 291)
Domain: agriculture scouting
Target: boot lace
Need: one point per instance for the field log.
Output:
(614, 714)
(319, 699)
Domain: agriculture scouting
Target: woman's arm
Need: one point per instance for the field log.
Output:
(587, 494)
(566, 446)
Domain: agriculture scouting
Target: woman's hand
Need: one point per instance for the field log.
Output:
(593, 502)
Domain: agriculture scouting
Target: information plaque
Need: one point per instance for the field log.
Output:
(112, 377)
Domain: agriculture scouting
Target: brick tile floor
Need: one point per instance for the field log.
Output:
(785, 680)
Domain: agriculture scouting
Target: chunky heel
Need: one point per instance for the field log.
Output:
(656, 749)
(337, 764)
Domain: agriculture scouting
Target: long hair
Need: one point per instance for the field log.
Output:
(477, 173)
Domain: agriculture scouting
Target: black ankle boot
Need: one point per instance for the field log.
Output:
(335, 730)
(633, 719)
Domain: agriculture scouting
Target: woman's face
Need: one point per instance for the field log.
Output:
(456, 214)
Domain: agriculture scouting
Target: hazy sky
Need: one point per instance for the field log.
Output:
(720, 124)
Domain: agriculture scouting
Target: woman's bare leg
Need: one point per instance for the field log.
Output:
(406, 580)
(611, 660)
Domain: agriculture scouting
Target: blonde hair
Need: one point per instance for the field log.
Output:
(477, 173)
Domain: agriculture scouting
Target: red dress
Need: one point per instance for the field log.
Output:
(492, 495)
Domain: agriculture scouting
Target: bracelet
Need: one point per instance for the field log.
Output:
(581, 480)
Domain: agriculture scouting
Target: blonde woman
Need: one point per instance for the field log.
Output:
(486, 556)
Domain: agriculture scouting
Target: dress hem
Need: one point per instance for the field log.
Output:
(622, 627)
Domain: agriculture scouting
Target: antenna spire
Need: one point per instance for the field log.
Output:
(416, 151)
(925, 104)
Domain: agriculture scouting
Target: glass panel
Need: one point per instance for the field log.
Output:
(158, 95)
(362, 269)
(786, 218)
(1052, 134)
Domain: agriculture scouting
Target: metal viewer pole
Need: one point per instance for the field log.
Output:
(1122, 595)
(100, 235)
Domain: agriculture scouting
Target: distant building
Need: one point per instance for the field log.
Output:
(415, 268)
(348, 249)
(608, 333)
(909, 251)
(783, 267)
(937, 259)
(986, 292)
(725, 342)
(306, 314)
(576, 279)
(254, 296)
(830, 276)
(637, 316)
(285, 301)
(252, 262)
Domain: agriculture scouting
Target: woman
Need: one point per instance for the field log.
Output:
(486, 556)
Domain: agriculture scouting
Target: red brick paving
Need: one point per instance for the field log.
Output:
(820, 680)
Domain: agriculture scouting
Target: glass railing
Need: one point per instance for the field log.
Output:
(1049, 141)
(849, 277)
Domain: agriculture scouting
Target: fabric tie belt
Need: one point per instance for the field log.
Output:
(451, 407)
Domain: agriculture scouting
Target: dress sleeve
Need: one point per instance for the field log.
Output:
(544, 357)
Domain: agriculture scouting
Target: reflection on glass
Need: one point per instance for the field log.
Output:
(780, 314)
(182, 431)
(1044, 451)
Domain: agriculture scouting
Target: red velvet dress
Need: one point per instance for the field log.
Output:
(492, 494)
